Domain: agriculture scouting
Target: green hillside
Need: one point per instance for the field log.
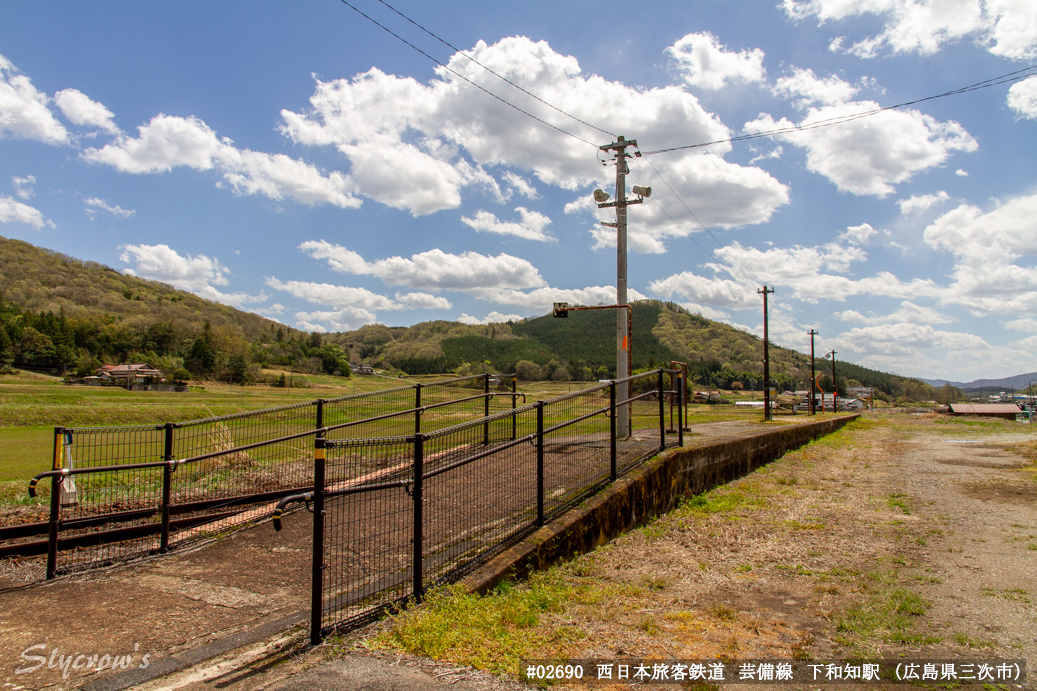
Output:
(63, 313)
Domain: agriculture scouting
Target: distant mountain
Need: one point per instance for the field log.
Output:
(1019, 381)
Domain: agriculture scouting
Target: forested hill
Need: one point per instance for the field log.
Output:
(57, 311)
(582, 347)
(39, 279)
(68, 314)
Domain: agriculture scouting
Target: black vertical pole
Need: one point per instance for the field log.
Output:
(486, 409)
(835, 389)
(540, 462)
(417, 409)
(55, 504)
(612, 431)
(419, 471)
(317, 577)
(813, 376)
(766, 359)
(680, 408)
(167, 481)
(514, 398)
(662, 414)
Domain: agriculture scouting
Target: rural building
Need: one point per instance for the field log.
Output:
(127, 375)
(1005, 410)
(363, 369)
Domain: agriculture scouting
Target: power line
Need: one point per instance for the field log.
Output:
(458, 74)
(838, 120)
(495, 74)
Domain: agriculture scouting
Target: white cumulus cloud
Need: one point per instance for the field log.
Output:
(806, 88)
(434, 270)
(491, 318)
(1007, 28)
(82, 110)
(1022, 98)
(24, 111)
(167, 142)
(917, 203)
(415, 145)
(424, 301)
(870, 155)
(13, 211)
(909, 313)
(197, 274)
(530, 226)
(994, 254)
(702, 61)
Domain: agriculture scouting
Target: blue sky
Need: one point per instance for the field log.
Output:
(296, 160)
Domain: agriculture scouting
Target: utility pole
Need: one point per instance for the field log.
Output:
(619, 150)
(835, 389)
(766, 358)
(813, 376)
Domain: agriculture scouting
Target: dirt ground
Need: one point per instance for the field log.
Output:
(904, 535)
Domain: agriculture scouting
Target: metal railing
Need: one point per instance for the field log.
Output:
(119, 493)
(394, 516)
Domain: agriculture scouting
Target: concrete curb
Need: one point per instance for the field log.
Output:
(634, 499)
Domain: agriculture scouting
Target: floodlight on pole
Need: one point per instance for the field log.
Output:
(641, 191)
(601, 196)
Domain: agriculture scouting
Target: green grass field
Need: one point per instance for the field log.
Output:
(32, 405)
(24, 452)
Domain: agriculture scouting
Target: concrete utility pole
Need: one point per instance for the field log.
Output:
(618, 148)
(813, 376)
(766, 358)
(835, 389)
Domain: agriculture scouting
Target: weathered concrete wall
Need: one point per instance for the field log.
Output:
(633, 500)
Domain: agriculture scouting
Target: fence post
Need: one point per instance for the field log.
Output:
(514, 398)
(55, 504)
(680, 408)
(419, 471)
(540, 462)
(662, 414)
(612, 431)
(486, 409)
(317, 580)
(417, 409)
(167, 481)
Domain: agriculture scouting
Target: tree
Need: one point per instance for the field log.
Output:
(6, 351)
(948, 394)
(35, 348)
(333, 359)
(202, 358)
(527, 370)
